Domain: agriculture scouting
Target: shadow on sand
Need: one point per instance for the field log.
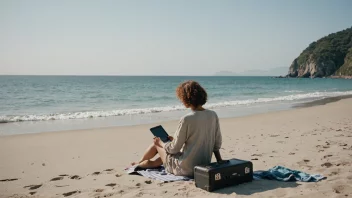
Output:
(256, 186)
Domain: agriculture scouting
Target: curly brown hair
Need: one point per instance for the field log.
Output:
(190, 93)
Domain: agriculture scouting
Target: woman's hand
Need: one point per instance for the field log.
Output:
(158, 142)
(171, 138)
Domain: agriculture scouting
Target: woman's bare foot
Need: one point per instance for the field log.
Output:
(145, 164)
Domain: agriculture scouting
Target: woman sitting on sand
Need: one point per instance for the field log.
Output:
(197, 137)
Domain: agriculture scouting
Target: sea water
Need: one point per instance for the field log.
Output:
(30, 104)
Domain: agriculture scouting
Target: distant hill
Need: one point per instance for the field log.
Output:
(255, 72)
(328, 56)
(225, 73)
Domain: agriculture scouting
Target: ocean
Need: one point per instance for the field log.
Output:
(31, 104)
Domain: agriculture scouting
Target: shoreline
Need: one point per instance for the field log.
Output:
(112, 122)
(304, 105)
(323, 101)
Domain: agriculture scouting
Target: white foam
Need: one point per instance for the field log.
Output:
(314, 95)
(293, 91)
(121, 112)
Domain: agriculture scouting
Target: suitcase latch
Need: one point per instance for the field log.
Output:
(217, 176)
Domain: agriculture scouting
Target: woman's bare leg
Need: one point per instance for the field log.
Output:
(148, 154)
(162, 153)
(151, 163)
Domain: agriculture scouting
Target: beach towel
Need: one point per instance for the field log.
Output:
(278, 173)
(281, 173)
(157, 174)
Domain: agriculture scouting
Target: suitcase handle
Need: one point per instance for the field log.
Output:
(224, 161)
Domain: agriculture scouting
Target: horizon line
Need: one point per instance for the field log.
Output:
(84, 75)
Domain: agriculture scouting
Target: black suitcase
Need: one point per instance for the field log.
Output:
(226, 173)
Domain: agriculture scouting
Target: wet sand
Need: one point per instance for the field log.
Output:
(322, 101)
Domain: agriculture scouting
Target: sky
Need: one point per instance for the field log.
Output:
(157, 37)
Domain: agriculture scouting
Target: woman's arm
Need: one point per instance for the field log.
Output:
(218, 156)
(218, 141)
(180, 138)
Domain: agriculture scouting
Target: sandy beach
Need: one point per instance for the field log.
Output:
(91, 163)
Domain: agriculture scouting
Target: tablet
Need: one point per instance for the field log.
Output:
(159, 132)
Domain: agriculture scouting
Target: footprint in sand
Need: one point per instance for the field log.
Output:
(343, 164)
(33, 187)
(327, 164)
(109, 195)
(292, 153)
(6, 180)
(32, 193)
(339, 135)
(118, 175)
(110, 169)
(96, 173)
(70, 193)
(338, 189)
(347, 148)
(326, 156)
(333, 173)
(139, 194)
(76, 177)
(259, 155)
(99, 190)
(61, 186)
(63, 175)
(111, 185)
(323, 146)
(148, 181)
(254, 159)
(304, 162)
(57, 178)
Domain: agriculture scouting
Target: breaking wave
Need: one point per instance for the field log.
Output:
(121, 112)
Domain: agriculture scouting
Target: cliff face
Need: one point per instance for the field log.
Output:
(330, 55)
(346, 68)
(312, 68)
